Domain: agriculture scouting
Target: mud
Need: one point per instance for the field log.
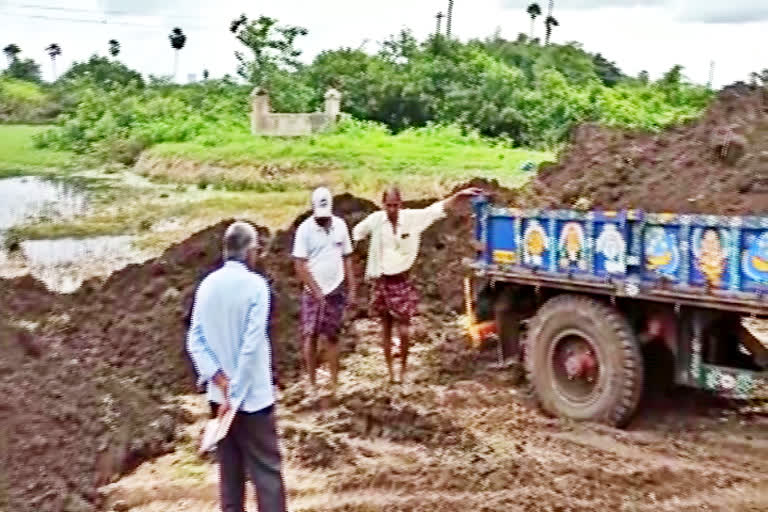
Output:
(686, 452)
(90, 376)
(717, 164)
(108, 357)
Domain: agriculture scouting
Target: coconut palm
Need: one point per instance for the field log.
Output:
(178, 40)
(114, 47)
(54, 50)
(549, 23)
(11, 51)
(235, 24)
(534, 11)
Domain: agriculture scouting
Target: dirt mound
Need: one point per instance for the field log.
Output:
(95, 368)
(717, 164)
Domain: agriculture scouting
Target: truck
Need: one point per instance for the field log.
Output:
(594, 290)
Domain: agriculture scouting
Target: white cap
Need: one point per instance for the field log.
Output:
(322, 202)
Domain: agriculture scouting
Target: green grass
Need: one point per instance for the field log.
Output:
(264, 179)
(361, 156)
(18, 155)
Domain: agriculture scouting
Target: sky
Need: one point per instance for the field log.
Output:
(638, 35)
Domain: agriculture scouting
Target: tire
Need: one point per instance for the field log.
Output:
(608, 394)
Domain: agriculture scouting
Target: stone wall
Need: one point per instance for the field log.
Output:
(266, 122)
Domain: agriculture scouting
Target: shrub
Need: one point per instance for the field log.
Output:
(25, 102)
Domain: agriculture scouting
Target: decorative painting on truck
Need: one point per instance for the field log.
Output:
(536, 244)
(709, 264)
(572, 247)
(754, 260)
(662, 253)
(610, 250)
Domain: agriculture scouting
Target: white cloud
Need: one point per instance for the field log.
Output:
(713, 11)
(703, 11)
(649, 37)
(584, 4)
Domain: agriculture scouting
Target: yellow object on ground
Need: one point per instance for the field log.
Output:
(478, 331)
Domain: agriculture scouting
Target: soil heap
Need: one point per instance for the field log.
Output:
(89, 375)
(717, 164)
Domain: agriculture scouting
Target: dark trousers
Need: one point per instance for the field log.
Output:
(250, 448)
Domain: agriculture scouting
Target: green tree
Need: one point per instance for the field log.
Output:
(534, 11)
(206, 74)
(759, 79)
(178, 41)
(101, 72)
(114, 47)
(11, 52)
(24, 69)
(608, 71)
(643, 77)
(54, 50)
(548, 24)
(272, 47)
(401, 47)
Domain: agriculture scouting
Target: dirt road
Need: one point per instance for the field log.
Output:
(449, 443)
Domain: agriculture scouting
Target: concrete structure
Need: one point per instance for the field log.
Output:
(266, 122)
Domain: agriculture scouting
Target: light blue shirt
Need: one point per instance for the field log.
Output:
(229, 333)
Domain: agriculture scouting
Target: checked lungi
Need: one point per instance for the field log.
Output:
(322, 316)
(396, 296)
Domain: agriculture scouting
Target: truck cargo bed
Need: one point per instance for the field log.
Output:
(696, 260)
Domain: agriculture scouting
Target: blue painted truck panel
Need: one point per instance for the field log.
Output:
(691, 255)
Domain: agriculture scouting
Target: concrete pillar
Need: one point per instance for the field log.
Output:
(332, 104)
(260, 109)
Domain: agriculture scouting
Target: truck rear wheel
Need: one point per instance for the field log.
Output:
(583, 361)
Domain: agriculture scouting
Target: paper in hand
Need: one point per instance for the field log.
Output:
(216, 430)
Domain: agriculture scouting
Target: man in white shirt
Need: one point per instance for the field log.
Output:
(321, 251)
(395, 238)
(228, 344)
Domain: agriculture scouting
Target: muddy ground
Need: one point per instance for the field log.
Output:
(717, 164)
(91, 379)
(103, 367)
(102, 362)
(460, 437)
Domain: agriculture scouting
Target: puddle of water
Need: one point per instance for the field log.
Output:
(30, 197)
(64, 264)
(61, 264)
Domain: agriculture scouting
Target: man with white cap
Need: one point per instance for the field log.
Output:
(321, 249)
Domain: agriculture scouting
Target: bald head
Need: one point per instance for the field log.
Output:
(391, 193)
(239, 239)
(392, 203)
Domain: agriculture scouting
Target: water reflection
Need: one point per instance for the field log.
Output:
(62, 264)
(28, 198)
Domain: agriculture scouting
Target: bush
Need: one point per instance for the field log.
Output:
(25, 102)
(119, 122)
(519, 92)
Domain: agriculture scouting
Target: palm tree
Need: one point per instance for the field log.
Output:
(178, 40)
(235, 24)
(549, 23)
(11, 51)
(54, 50)
(114, 47)
(534, 11)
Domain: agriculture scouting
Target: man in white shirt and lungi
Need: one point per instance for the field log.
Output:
(395, 236)
(322, 250)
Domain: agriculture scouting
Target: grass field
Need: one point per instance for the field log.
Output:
(357, 159)
(264, 179)
(19, 156)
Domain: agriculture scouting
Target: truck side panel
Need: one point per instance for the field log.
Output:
(717, 260)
